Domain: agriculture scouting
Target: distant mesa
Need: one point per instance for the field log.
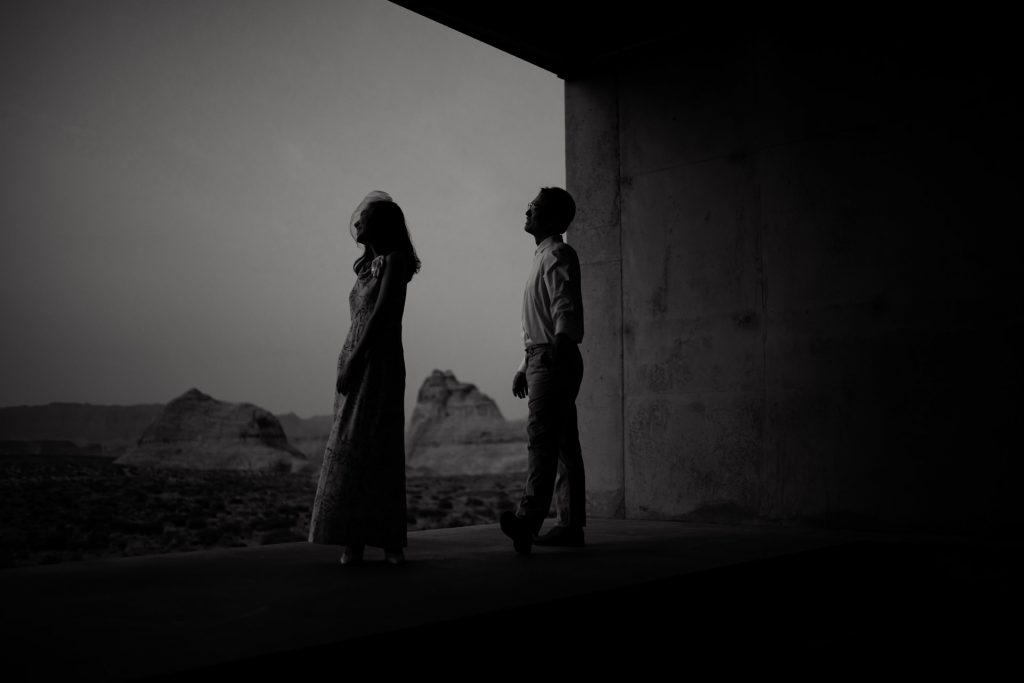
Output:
(308, 434)
(457, 429)
(111, 431)
(50, 447)
(454, 429)
(197, 431)
(74, 428)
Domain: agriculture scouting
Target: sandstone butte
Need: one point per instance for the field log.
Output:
(456, 429)
(197, 431)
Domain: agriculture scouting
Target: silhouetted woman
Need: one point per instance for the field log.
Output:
(360, 498)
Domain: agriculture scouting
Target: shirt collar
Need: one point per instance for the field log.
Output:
(547, 242)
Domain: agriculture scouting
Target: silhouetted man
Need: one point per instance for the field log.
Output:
(550, 375)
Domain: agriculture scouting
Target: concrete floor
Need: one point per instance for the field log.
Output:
(642, 596)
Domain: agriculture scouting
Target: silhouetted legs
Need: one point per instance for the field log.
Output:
(555, 463)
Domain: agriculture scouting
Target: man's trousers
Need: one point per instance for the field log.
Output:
(555, 464)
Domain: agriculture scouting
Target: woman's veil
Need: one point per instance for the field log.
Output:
(375, 196)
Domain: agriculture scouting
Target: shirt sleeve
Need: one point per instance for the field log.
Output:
(562, 279)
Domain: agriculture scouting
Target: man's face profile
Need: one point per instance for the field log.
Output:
(534, 211)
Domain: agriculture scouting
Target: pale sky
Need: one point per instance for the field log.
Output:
(176, 178)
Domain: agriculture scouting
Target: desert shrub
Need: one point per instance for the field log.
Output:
(209, 536)
(97, 538)
(229, 527)
(55, 540)
(454, 521)
(172, 539)
(98, 515)
(273, 522)
(280, 536)
(109, 510)
(140, 527)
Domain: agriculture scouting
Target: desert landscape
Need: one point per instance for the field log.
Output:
(80, 482)
(63, 508)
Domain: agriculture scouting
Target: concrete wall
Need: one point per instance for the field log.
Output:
(797, 282)
(592, 170)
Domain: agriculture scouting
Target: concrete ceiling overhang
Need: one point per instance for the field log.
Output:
(571, 38)
(567, 38)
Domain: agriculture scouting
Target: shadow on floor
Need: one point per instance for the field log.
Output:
(863, 606)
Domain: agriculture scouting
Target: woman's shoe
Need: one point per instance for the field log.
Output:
(352, 554)
(394, 556)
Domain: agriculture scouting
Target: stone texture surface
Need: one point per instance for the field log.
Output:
(457, 429)
(592, 177)
(308, 434)
(798, 249)
(197, 431)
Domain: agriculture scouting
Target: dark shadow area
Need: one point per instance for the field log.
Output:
(930, 606)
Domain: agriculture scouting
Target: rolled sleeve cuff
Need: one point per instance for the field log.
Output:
(570, 327)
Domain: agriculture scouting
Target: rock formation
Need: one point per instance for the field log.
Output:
(456, 429)
(199, 432)
(95, 430)
(308, 434)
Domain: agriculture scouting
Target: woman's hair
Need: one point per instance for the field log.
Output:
(387, 222)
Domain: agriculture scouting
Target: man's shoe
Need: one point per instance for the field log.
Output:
(352, 554)
(567, 536)
(515, 528)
